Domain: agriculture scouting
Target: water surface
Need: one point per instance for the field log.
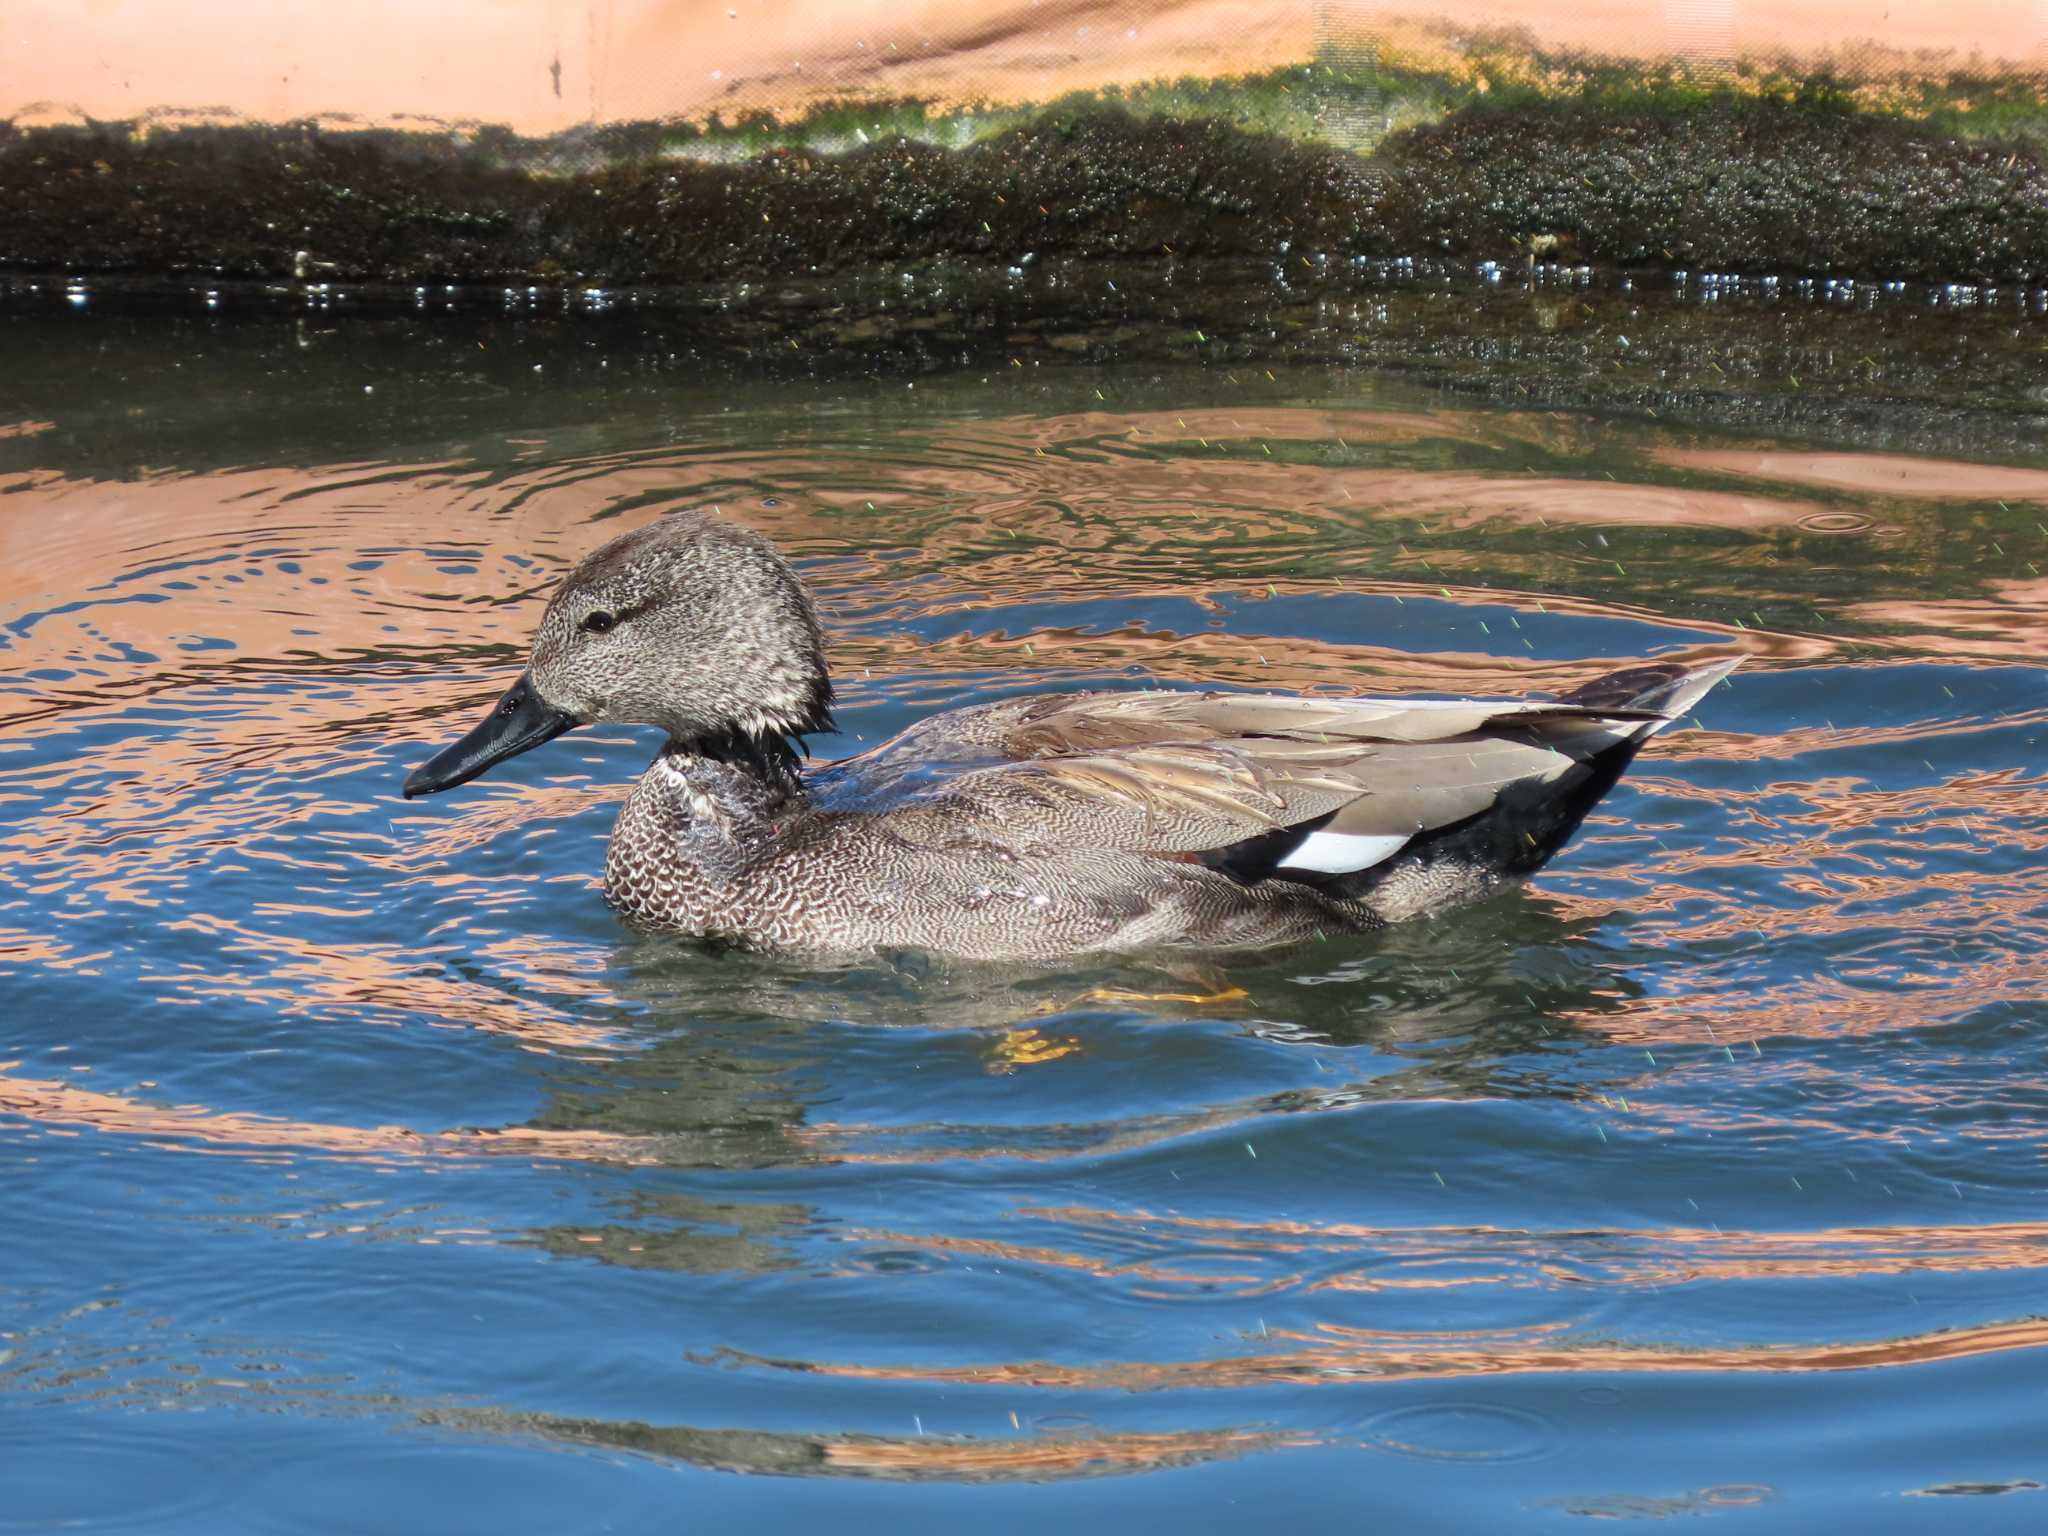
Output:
(362, 1173)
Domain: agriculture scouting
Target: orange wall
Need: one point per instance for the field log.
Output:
(542, 65)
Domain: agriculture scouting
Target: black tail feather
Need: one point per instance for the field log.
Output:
(1634, 690)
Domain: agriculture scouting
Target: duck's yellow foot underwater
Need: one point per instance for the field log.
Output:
(1226, 994)
(1025, 1046)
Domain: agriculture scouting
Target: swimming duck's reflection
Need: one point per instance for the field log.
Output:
(688, 1059)
(749, 1064)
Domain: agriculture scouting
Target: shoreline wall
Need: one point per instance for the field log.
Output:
(540, 67)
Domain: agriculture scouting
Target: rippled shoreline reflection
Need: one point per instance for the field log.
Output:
(330, 1115)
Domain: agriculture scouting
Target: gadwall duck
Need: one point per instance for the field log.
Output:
(1033, 827)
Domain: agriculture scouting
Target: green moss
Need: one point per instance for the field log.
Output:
(1351, 96)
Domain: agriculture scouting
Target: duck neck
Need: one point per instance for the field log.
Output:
(764, 763)
(727, 788)
(699, 817)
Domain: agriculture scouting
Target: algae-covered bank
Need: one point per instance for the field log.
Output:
(1806, 185)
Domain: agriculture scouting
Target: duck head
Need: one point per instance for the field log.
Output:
(692, 624)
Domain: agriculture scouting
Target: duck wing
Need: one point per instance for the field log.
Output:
(1320, 791)
(1167, 798)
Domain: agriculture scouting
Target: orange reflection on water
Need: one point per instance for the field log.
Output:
(1046, 1456)
(62, 1108)
(1248, 424)
(2008, 624)
(1624, 1256)
(1819, 1008)
(302, 976)
(1876, 988)
(1244, 657)
(1849, 737)
(1464, 500)
(1043, 1457)
(1870, 474)
(1331, 1355)
(1054, 1258)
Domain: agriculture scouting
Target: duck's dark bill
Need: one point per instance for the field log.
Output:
(516, 722)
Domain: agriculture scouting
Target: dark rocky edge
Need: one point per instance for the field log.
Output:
(1725, 182)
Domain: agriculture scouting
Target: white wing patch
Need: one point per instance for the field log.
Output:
(1339, 853)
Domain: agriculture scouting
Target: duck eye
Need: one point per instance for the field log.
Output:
(597, 623)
